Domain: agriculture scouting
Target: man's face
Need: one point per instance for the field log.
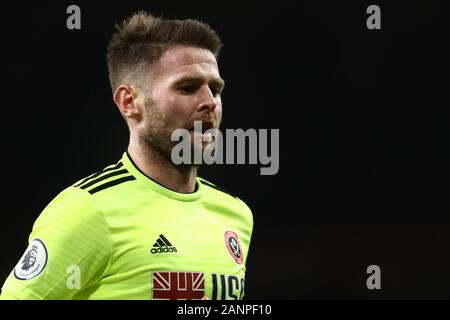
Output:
(185, 86)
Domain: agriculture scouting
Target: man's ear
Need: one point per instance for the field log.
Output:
(126, 99)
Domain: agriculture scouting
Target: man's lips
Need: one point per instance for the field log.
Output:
(200, 128)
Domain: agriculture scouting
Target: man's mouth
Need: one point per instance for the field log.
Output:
(200, 129)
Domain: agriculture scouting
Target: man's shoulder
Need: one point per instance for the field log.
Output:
(220, 190)
(105, 178)
(78, 196)
(213, 186)
(229, 202)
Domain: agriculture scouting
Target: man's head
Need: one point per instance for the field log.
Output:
(164, 76)
(141, 40)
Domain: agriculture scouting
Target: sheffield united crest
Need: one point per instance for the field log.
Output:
(234, 246)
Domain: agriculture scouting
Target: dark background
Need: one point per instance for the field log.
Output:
(363, 118)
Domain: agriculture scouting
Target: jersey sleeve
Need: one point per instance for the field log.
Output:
(69, 250)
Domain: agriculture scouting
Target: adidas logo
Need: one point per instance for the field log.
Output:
(162, 245)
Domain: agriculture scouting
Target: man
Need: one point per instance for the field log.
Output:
(145, 228)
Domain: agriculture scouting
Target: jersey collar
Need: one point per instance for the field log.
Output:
(155, 186)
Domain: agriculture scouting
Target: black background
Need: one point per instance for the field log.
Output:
(363, 118)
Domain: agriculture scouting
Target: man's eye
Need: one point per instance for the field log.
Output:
(215, 91)
(188, 89)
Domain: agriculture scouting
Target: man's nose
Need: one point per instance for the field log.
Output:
(207, 100)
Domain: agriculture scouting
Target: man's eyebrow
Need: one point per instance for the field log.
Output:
(216, 81)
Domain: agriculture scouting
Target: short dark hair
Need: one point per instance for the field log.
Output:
(142, 39)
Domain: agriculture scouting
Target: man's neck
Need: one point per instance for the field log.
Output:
(177, 178)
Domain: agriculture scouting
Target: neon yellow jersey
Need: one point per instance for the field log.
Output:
(117, 234)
